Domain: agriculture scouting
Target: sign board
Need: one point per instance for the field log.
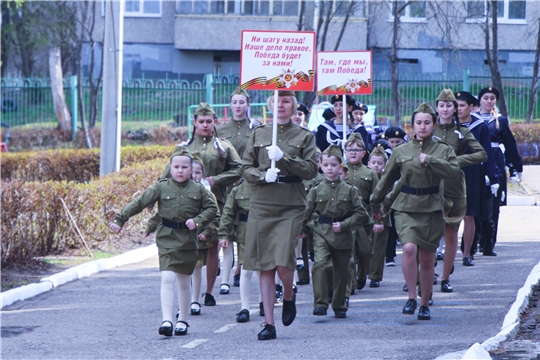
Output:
(344, 72)
(277, 60)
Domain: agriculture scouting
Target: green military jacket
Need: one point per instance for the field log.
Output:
(299, 159)
(232, 225)
(177, 202)
(237, 133)
(460, 138)
(335, 199)
(364, 178)
(439, 164)
(308, 184)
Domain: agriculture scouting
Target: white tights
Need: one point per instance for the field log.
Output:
(167, 295)
(196, 283)
(245, 280)
(227, 263)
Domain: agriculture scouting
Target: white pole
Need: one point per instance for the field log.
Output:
(344, 123)
(275, 124)
(119, 77)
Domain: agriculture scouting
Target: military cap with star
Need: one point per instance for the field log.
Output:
(181, 151)
(467, 97)
(205, 109)
(334, 150)
(425, 108)
(339, 98)
(378, 151)
(240, 91)
(395, 132)
(490, 90)
(446, 95)
(355, 138)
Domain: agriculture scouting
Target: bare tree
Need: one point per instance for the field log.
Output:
(57, 88)
(534, 80)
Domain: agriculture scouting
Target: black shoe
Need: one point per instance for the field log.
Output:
(491, 253)
(423, 313)
(374, 283)
(289, 311)
(361, 285)
(330, 298)
(209, 300)
(236, 281)
(435, 279)
(302, 282)
(467, 261)
(452, 270)
(261, 309)
(180, 331)
(194, 311)
(440, 256)
(390, 262)
(410, 307)
(446, 287)
(340, 313)
(242, 316)
(268, 333)
(166, 330)
(405, 288)
(279, 293)
(430, 302)
(319, 310)
(225, 289)
(299, 264)
(472, 257)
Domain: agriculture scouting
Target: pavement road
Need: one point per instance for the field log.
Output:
(116, 314)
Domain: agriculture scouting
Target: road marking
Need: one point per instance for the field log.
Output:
(194, 343)
(225, 328)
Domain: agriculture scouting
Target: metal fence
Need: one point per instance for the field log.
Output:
(150, 103)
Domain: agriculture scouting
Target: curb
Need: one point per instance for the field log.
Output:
(521, 201)
(78, 272)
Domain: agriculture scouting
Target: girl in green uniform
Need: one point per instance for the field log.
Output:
(420, 165)
(277, 204)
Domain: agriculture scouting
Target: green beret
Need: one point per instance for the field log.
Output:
(379, 151)
(446, 96)
(240, 91)
(335, 151)
(181, 151)
(425, 108)
(205, 109)
(355, 138)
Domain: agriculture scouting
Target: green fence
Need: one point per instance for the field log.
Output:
(149, 103)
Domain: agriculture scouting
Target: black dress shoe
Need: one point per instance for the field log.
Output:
(166, 330)
(361, 285)
(261, 309)
(302, 282)
(467, 261)
(236, 281)
(405, 288)
(209, 300)
(440, 256)
(267, 333)
(319, 311)
(340, 313)
(410, 307)
(446, 287)
(491, 253)
(423, 313)
(289, 311)
(225, 289)
(181, 331)
(242, 316)
(374, 283)
(195, 311)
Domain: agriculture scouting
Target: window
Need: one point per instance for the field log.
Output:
(507, 10)
(149, 8)
(413, 12)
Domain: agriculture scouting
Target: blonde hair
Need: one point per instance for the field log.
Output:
(271, 108)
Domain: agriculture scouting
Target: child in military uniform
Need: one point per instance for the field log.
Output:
(185, 208)
(338, 208)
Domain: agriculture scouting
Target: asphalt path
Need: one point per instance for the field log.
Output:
(116, 314)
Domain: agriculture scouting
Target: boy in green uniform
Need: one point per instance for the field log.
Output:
(339, 208)
(185, 208)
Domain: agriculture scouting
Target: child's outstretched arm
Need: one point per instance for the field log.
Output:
(149, 197)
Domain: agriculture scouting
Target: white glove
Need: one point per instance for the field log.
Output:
(503, 196)
(487, 181)
(519, 177)
(274, 153)
(494, 189)
(513, 179)
(271, 175)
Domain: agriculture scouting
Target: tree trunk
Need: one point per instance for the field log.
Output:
(534, 80)
(344, 25)
(5, 40)
(394, 64)
(57, 88)
(494, 64)
(327, 19)
(300, 24)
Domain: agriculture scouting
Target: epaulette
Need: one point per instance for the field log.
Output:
(162, 179)
(440, 141)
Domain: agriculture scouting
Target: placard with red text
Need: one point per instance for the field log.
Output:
(282, 60)
(344, 72)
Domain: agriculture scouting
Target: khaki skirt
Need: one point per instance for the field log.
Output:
(422, 229)
(454, 211)
(179, 261)
(271, 235)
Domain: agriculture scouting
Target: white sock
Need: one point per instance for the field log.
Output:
(441, 245)
(227, 264)
(184, 295)
(245, 280)
(196, 283)
(167, 295)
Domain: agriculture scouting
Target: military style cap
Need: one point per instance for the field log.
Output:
(425, 108)
(339, 98)
(335, 151)
(197, 158)
(382, 142)
(362, 107)
(284, 93)
(467, 97)
(181, 151)
(395, 132)
(205, 109)
(378, 151)
(355, 138)
(303, 108)
(446, 96)
(328, 114)
(240, 91)
(490, 90)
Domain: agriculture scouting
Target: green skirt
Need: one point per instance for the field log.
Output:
(422, 229)
(179, 261)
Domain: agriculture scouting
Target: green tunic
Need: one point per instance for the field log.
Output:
(237, 133)
(275, 217)
(177, 202)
